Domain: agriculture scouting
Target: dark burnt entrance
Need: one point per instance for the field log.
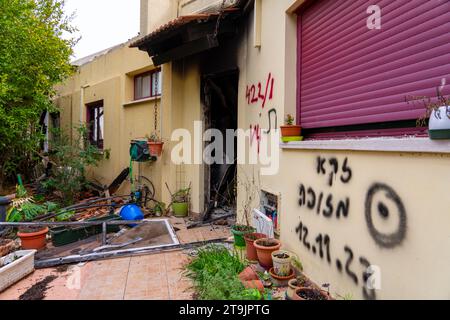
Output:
(220, 103)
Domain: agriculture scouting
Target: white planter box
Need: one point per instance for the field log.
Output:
(17, 269)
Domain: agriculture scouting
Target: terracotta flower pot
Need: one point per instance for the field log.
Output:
(254, 284)
(294, 285)
(6, 246)
(264, 248)
(310, 294)
(33, 240)
(291, 131)
(248, 274)
(281, 281)
(155, 148)
(250, 247)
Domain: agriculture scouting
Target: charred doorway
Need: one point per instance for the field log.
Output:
(220, 106)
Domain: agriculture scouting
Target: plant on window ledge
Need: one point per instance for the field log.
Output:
(155, 145)
(290, 131)
(437, 110)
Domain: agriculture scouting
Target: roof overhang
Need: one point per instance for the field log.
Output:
(188, 35)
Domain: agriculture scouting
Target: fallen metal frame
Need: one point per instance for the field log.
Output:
(104, 225)
(54, 262)
(49, 263)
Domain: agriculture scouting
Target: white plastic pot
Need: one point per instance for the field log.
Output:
(439, 125)
(16, 266)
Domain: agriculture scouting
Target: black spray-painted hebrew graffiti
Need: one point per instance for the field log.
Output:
(384, 211)
(320, 245)
(275, 116)
(323, 204)
(331, 168)
(387, 196)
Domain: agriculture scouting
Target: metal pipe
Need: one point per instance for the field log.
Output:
(104, 234)
(71, 224)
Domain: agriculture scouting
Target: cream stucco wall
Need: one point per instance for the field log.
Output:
(410, 257)
(412, 265)
(109, 77)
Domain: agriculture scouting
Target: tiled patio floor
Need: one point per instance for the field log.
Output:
(150, 277)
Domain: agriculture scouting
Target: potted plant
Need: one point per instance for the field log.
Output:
(311, 293)
(290, 130)
(299, 282)
(250, 246)
(155, 145)
(180, 202)
(264, 248)
(15, 267)
(297, 266)
(281, 281)
(248, 274)
(159, 209)
(437, 111)
(25, 209)
(239, 231)
(282, 262)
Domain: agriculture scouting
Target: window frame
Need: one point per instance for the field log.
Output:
(99, 143)
(152, 94)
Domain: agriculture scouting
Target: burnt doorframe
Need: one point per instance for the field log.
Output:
(210, 84)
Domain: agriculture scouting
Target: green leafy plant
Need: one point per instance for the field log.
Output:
(65, 216)
(289, 121)
(181, 196)
(70, 160)
(34, 57)
(160, 208)
(154, 138)
(296, 263)
(215, 275)
(347, 297)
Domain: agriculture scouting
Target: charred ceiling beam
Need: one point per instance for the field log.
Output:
(189, 35)
(186, 50)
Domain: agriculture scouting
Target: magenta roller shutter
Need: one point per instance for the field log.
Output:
(351, 75)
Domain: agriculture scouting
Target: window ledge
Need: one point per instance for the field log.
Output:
(134, 102)
(407, 144)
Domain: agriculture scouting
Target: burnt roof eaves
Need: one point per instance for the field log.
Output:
(177, 23)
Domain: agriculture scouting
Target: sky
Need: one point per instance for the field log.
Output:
(102, 23)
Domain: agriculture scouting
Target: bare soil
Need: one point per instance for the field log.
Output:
(38, 290)
(282, 256)
(311, 295)
(267, 243)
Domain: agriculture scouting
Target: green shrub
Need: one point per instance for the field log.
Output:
(70, 160)
(215, 275)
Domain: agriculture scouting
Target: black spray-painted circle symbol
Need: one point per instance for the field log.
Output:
(383, 239)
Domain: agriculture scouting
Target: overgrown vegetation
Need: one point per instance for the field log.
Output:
(25, 208)
(215, 274)
(33, 59)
